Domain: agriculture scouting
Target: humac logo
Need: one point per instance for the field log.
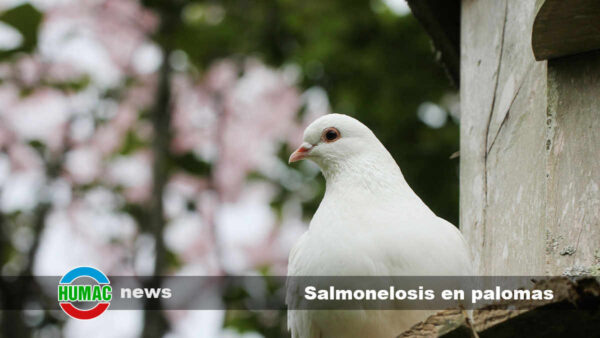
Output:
(84, 285)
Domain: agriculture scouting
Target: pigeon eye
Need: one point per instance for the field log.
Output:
(330, 135)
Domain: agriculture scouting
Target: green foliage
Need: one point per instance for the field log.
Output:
(271, 324)
(26, 19)
(173, 260)
(192, 164)
(131, 143)
(138, 213)
(73, 85)
(374, 65)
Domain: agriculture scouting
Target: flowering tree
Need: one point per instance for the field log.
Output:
(151, 137)
(119, 155)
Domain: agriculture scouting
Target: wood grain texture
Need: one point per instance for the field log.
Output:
(514, 160)
(530, 148)
(502, 135)
(566, 27)
(482, 34)
(573, 166)
(515, 204)
(574, 312)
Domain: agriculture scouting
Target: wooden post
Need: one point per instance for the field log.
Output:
(573, 165)
(530, 147)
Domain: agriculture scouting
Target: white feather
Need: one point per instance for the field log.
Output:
(369, 223)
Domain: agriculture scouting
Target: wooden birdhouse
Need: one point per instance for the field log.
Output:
(529, 76)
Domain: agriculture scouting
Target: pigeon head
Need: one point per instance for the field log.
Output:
(336, 140)
(350, 155)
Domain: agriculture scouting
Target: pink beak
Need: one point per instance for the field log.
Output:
(301, 152)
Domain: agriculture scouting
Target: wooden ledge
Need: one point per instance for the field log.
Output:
(574, 312)
(566, 27)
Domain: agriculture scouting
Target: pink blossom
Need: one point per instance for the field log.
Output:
(83, 165)
(24, 158)
(221, 75)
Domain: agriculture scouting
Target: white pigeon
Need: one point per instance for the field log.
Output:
(369, 223)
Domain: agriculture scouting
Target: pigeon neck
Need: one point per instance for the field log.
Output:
(375, 174)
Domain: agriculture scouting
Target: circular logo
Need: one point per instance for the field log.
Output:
(72, 289)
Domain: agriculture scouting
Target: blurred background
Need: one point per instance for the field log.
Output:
(151, 138)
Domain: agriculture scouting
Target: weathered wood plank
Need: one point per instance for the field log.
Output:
(482, 34)
(516, 184)
(566, 27)
(573, 168)
(530, 147)
(503, 99)
(451, 322)
(517, 60)
(572, 313)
